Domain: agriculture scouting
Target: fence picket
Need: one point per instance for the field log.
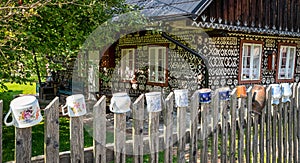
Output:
(298, 124)
(248, 127)
(280, 127)
(223, 107)
(233, 103)
(274, 131)
(23, 145)
(181, 128)
(138, 129)
(268, 126)
(204, 127)
(194, 128)
(285, 125)
(52, 131)
(295, 125)
(76, 139)
(168, 128)
(290, 128)
(261, 135)
(99, 130)
(241, 130)
(216, 120)
(1, 114)
(154, 136)
(119, 137)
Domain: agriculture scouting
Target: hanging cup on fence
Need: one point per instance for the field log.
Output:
(286, 92)
(120, 103)
(181, 97)
(25, 112)
(276, 93)
(205, 95)
(241, 91)
(153, 101)
(224, 94)
(75, 105)
(258, 98)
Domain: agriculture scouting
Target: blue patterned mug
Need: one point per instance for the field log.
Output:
(181, 97)
(224, 94)
(205, 95)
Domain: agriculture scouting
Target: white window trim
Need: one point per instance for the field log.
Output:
(157, 48)
(251, 62)
(125, 63)
(288, 55)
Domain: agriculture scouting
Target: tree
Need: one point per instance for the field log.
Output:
(51, 30)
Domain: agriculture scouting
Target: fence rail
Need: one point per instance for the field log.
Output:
(220, 131)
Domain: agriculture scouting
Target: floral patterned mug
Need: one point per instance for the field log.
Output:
(75, 106)
(25, 112)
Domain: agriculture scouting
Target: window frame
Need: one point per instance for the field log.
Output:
(158, 46)
(133, 65)
(241, 68)
(279, 61)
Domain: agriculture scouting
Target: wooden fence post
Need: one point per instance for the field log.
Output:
(224, 116)
(1, 114)
(285, 127)
(295, 125)
(51, 135)
(261, 135)
(274, 109)
(99, 130)
(204, 129)
(120, 137)
(154, 136)
(76, 139)
(280, 131)
(298, 122)
(138, 129)
(23, 145)
(233, 104)
(181, 128)
(216, 119)
(290, 127)
(194, 128)
(241, 130)
(249, 124)
(168, 128)
(268, 127)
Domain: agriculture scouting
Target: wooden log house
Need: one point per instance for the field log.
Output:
(211, 43)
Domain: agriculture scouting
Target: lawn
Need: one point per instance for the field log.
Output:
(37, 131)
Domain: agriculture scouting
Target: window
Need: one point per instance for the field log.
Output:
(157, 65)
(250, 62)
(127, 63)
(286, 63)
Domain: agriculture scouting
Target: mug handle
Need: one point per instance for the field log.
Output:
(112, 102)
(63, 110)
(5, 119)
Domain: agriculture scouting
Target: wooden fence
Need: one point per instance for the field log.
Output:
(236, 134)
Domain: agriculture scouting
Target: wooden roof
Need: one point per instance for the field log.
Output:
(170, 8)
(271, 16)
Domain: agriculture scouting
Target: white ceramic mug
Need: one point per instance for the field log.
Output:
(120, 103)
(75, 106)
(153, 101)
(276, 93)
(181, 97)
(25, 112)
(286, 92)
